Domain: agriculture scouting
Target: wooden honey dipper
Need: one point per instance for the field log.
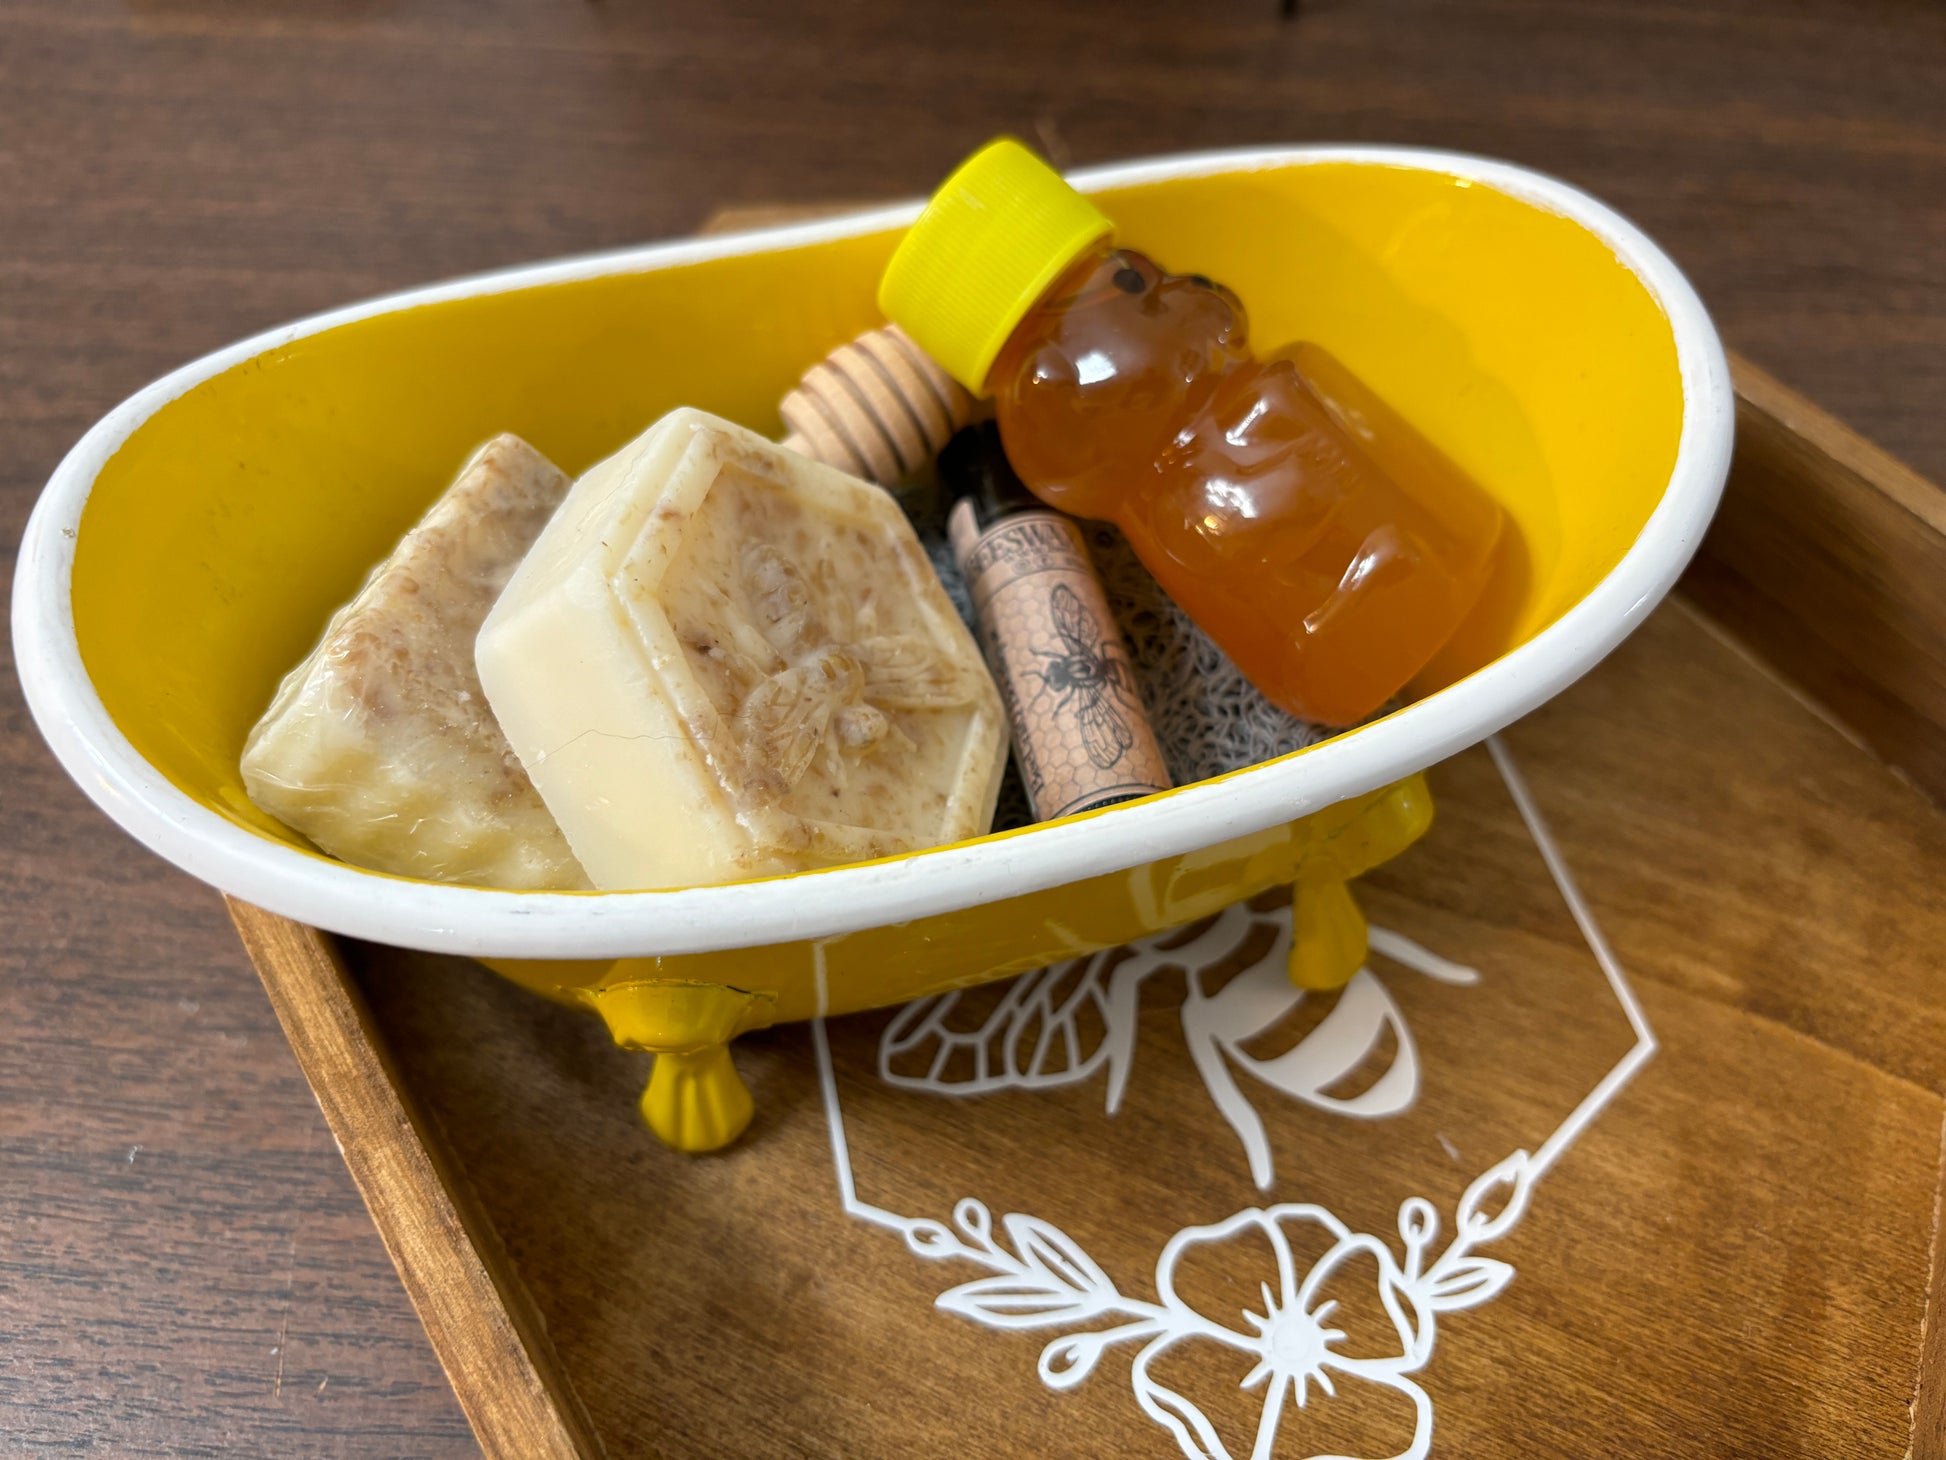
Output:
(877, 407)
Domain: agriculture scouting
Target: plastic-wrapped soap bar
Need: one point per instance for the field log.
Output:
(724, 660)
(380, 747)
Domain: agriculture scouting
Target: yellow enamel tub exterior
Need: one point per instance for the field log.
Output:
(186, 553)
(687, 1007)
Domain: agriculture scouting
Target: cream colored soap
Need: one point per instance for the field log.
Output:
(380, 746)
(724, 660)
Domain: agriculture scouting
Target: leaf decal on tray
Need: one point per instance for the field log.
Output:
(1065, 1362)
(1046, 1248)
(1193, 1432)
(1507, 1183)
(1047, 1279)
(1018, 1302)
(1467, 1283)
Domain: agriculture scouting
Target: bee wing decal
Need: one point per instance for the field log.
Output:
(1055, 1026)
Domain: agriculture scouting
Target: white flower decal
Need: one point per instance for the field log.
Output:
(1299, 1352)
(1315, 1330)
(1295, 1348)
(1041, 1278)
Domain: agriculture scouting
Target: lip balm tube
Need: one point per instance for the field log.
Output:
(1081, 735)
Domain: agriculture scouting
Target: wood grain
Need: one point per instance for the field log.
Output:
(480, 1320)
(1829, 558)
(1929, 1396)
(1757, 1207)
(176, 174)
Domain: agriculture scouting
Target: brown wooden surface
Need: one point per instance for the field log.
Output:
(184, 1265)
(1733, 1261)
(1828, 557)
(477, 1314)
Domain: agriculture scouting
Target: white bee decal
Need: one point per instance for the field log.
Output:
(1064, 1024)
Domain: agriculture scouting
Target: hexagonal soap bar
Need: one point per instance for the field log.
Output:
(724, 660)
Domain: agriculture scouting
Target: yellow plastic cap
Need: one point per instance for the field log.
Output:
(996, 234)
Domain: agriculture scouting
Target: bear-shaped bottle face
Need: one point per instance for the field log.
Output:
(1103, 372)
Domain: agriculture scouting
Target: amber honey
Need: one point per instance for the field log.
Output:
(1251, 488)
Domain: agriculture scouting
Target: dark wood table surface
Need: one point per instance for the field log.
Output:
(185, 1267)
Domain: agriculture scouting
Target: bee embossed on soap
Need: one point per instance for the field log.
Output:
(815, 694)
(723, 660)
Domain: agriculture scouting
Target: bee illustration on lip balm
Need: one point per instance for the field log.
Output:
(1090, 678)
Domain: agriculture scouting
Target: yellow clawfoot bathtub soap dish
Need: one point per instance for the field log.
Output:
(186, 551)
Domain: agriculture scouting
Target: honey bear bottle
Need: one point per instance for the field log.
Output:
(1130, 394)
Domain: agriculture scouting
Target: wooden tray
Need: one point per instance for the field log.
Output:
(1723, 1055)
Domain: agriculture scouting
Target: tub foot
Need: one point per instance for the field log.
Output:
(1327, 934)
(696, 1101)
